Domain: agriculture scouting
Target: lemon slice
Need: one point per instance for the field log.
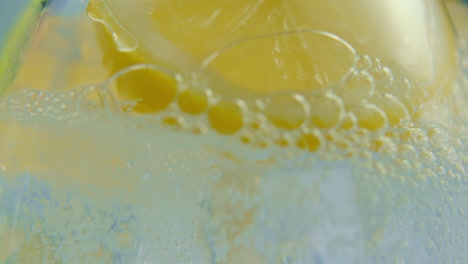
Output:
(282, 70)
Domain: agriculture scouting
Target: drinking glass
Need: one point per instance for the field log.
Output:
(181, 131)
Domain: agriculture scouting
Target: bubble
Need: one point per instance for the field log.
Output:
(438, 138)
(428, 157)
(407, 152)
(348, 122)
(226, 117)
(326, 110)
(310, 140)
(257, 121)
(360, 139)
(364, 63)
(357, 87)
(193, 101)
(173, 121)
(370, 117)
(439, 170)
(377, 65)
(415, 136)
(457, 143)
(199, 128)
(93, 98)
(409, 93)
(403, 163)
(264, 142)
(383, 145)
(266, 130)
(150, 88)
(286, 111)
(285, 140)
(247, 137)
(395, 111)
(27, 108)
(383, 76)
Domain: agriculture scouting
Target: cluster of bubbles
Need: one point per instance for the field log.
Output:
(376, 108)
(368, 112)
(303, 120)
(373, 108)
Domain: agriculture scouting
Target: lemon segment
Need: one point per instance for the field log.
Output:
(349, 72)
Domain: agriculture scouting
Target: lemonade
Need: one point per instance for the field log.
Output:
(170, 131)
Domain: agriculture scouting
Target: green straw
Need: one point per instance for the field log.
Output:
(16, 42)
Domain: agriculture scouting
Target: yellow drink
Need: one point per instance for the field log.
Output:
(168, 131)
